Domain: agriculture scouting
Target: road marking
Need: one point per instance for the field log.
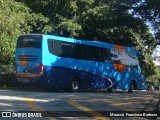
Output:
(120, 106)
(88, 110)
(34, 106)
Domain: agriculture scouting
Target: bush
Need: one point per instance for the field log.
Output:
(7, 77)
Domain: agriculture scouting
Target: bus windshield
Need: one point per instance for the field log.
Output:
(29, 41)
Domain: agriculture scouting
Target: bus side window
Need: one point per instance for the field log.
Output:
(81, 51)
(119, 56)
(54, 47)
(100, 54)
(96, 54)
(108, 55)
(131, 59)
(60, 48)
(66, 50)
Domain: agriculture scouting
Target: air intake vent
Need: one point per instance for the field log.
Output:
(27, 58)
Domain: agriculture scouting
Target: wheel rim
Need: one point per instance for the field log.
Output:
(75, 85)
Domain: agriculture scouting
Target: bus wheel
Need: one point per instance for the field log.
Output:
(131, 88)
(75, 85)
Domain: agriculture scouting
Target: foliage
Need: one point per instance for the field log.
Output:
(149, 11)
(101, 20)
(16, 19)
(104, 20)
(149, 69)
(110, 21)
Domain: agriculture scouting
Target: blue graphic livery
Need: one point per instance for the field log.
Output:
(58, 62)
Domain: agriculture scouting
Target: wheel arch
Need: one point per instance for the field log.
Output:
(134, 82)
(75, 77)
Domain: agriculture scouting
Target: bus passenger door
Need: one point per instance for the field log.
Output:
(121, 73)
(132, 62)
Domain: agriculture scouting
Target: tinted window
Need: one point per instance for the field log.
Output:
(54, 47)
(101, 54)
(92, 53)
(60, 48)
(66, 50)
(33, 41)
(79, 51)
(86, 52)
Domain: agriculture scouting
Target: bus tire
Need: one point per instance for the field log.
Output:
(75, 85)
(131, 88)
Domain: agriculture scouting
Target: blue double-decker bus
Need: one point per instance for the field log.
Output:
(57, 62)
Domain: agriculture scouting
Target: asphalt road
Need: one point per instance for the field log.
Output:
(18, 104)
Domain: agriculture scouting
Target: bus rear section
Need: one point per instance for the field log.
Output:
(28, 60)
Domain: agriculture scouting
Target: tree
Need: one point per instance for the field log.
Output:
(61, 14)
(103, 20)
(149, 11)
(16, 19)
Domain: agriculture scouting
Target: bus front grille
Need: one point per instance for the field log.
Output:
(27, 58)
